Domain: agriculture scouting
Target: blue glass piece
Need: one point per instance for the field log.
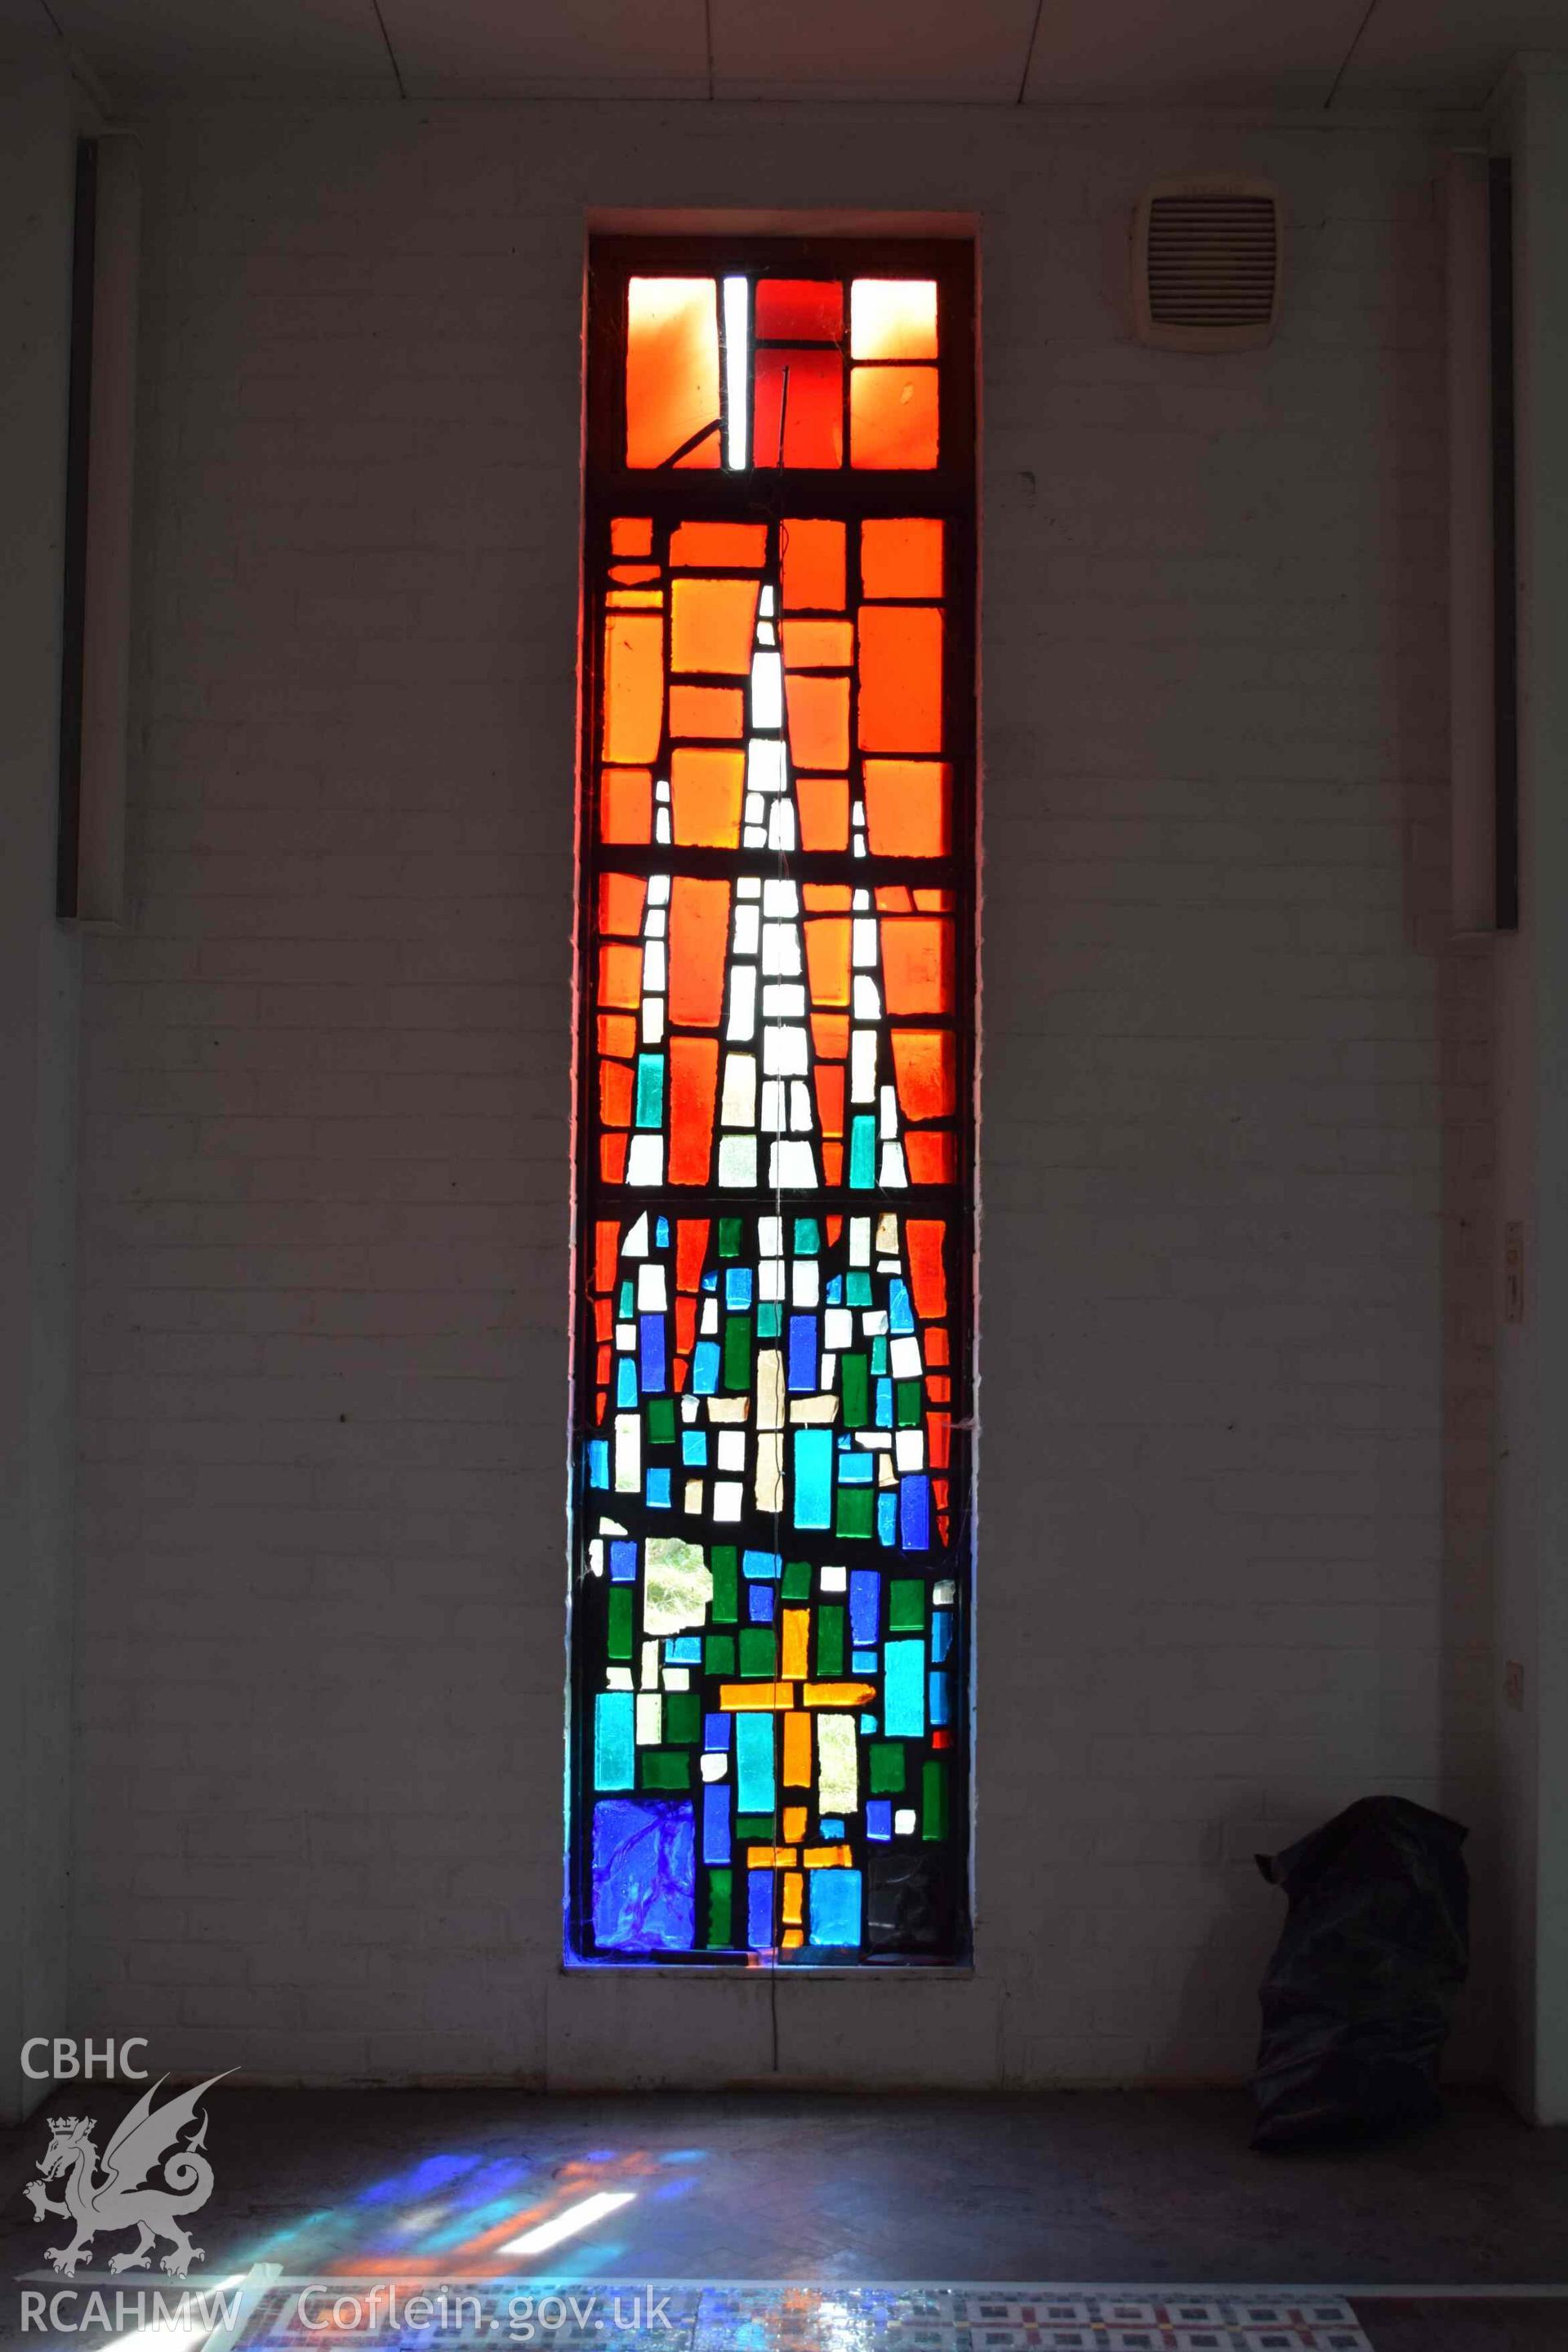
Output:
(903, 1690)
(938, 1686)
(886, 1519)
(683, 1650)
(658, 1490)
(865, 1604)
(661, 1233)
(862, 1155)
(716, 1734)
(615, 1747)
(649, 1108)
(710, 1280)
(940, 1634)
(802, 1354)
(900, 1314)
(835, 1291)
(598, 1461)
(760, 1603)
(813, 1477)
(626, 1381)
(833, 1827)
(768, 1564)
(716, 1821)
(914, 1512)
(854, 1468)
(705, 1368)
(880, 1355)
(754, 1762)
(760, 1910)
(807, 1237)
(868, 1726)
(884, 1395)
(863, 1662)
(879, 1819)
(650, 1352)
(834, 1906)
(738, 1285)
(622, 1559)
(694, 1447)
(645, 1873)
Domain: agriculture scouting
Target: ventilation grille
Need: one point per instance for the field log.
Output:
(1206, 264)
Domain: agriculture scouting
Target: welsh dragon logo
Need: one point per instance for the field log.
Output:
(125, 2197)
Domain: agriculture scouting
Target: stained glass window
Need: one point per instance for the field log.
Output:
(770, 1613)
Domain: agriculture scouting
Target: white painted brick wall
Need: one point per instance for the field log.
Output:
(1236, 1103)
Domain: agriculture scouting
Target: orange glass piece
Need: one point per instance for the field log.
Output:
(635, 575)
(614, 1093)
(907, 807)
(893, 318)
(797, 409)
(923, 1239)
(634, 600)
(711, 626)
(793, 1828)
(690, 1252)
(893, 418)
(827, 897)
(617, 1034)
(917, 964)
(734, 546)
(620, 977)
(812, 566)
(607, 1253)
(621, 899)
(705, 792)
(799, 310)
(830, 1035)
(818, 714)
(900, 677)
(634, 686)
(935, 1344)
(673, 370)
(612, 1158)
(939, 1429)
(794, 1631)
(833, 1163)
(933, 902)
(900, 555)
(792, 1900)
(930, 1155)
(711, 710)
(631, 535)
(698, 933)
(824, 805)
(693, 1080)
(625, 804)
(829, 1078)
(795, 1771)
(926, 1066)
(827, 959)
(893, 898)
(819, 645)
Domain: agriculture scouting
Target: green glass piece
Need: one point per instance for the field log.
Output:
(682, 1718)
(857, 1511)
(770, 1319)
(796, 1585)
(661, 1421)
(829, 1640)
(886, 1761)
(738, 1352)
(862, 1152)
(857, 1287)
(729, 1236)
(725, 1561)
(807, 1237)
(906, 1605)
(720, 1885)
(618, 1639)
(934, 1799)
(755, 1829)
(907, 1403)
(759, 1653)
(663, 1769)
(719, 1653)
(878, 1357)
(856, 1390)
(626, 1307)
(649, 1110)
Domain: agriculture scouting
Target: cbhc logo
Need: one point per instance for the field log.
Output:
(65, 2060)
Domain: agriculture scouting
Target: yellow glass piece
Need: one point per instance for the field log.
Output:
(828, 1857)
(825, 1694)
(837, 1769)
(893, 318)
(793, 1823)
(673, 370)
(772, 1857)
(764, 1698)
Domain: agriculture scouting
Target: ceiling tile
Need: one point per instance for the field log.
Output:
(1221, 52)
(283, 45)
(1448, 52)
(871, 48)
(563, 48)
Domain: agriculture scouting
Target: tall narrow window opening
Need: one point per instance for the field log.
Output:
(769, 1624)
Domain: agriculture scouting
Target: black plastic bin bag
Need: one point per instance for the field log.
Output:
(1356, 1999)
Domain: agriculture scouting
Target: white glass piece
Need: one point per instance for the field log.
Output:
(743, 1000)
(903, 1826)
(737, 372)
(731, 1449)
(837, 1329)
(793, 1164)
(618, 1678)
(738, 1160)
(738, 1105)
(653, 1020)
(748, 930)
(749, 886)
(728, 1496)
(677, 1679)
(781, 825)
(635, 1243)
(652, 1294)
(780, 950)
(714, 1767)
(653, 965)
(863, 1066)
(783, 1000)
(658, 889)
(806, 1282)
(767, 690)
(887, 1233)
(944, 1592)
(867, 1002)
(691, 1499)
(800, 1112)
(910, 1449)
(770, 1236)
(863, 943)
(904, 1359)
(860, 1240)
(772, 1120)
(661, 833)
(780, 898)
(785, 1049)
(645, 1161)
(888, 1119)
(766, 602)
(709, 1318)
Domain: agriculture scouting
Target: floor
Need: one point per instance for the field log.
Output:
(1049, 2221)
